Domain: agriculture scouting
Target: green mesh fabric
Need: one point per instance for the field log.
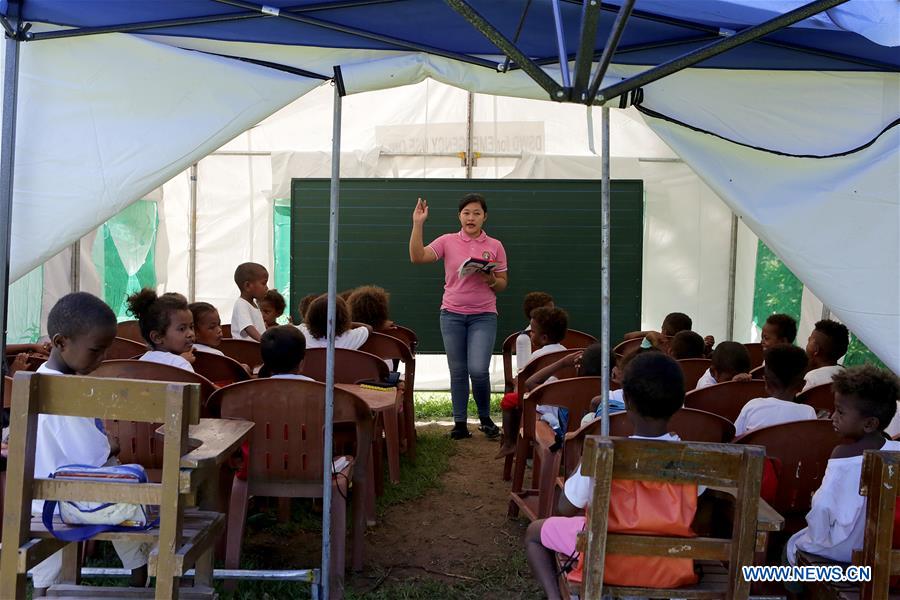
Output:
(126, 257)
(777, 290)
(281, 220)
(24, 316)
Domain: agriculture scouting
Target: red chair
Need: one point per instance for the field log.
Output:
(690, 424)
(725, 399)
(221, 370)
(143, 369)
(286, 458)
(756, 354)
(124, 348)
(820, 397)
(391, 348)
(404, 334)
(246, 352)
(693, 369)
(626, 346)
(758, 373)
(226, 331)
(130, 330)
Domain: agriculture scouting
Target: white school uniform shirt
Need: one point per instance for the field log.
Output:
(351, 339)
(836, 520)
(549, 414)
(820, 376)
(167, 358)
(295, 376)
(65, 440)
(210, 349)
(246, 314)
(765, 412)
(706, 380)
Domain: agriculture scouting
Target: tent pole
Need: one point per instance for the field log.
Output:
(329, 353)
(75, 266)
(7, 164)
(192, 240)
(470, 140)
(615, 34)
(604, 273)
(732, 279)
(561, 46)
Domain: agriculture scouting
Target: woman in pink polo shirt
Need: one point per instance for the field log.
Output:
(469, 306)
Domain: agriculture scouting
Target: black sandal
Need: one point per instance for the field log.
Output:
(460, 433)
(490, 431)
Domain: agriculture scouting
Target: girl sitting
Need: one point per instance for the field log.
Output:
(207, 328)
(272, 306)
(167, 325)
(368, 304)
(345, 334)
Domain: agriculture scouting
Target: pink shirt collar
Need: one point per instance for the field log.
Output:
(465, 237)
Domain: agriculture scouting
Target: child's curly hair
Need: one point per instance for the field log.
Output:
(553, 322)
(535, 300)
(317, 317)
(274, 298)
(154, 313)
(369, 304)
(785, 324)
(874, 391)
(305, 301)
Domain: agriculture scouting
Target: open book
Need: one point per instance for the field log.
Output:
(475, 265)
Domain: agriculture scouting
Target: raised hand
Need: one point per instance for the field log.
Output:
(420, 213)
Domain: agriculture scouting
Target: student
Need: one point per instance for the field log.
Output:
(865, 400)
(672, 324)
(730, 362)
(827, 343)
(247, 322)
(207, 328)
(686, 344)
(785, 365)
(778, 329)
(532, 301)
(616, 397)
(547, 329)
(167, 325)
(345, 335)
(272, 306)
(283, 348)
(81, 328)
(368, 304)
(654, 391)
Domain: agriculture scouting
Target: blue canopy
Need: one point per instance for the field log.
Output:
(657, 31)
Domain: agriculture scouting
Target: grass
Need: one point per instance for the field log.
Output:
(437, 406)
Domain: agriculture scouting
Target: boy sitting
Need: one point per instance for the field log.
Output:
(827, 343)
(784, 370)
(283, 348)
(778, 329)
(654, 391)
(730, 362)
(865, 400)
(532, 301)
(81, 329)
(247, 322)
(686, 344)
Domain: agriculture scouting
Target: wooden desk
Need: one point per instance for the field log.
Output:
(384, 403)
(767, 518)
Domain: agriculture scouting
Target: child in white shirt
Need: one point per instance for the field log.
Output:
(346, 333)
(81, 328)
(247, 321)
(283, 348)
(730, 361)
(827, 343)
(785, 365)
(523, 346)
(167, 325)
(207, 328)
(864, 403)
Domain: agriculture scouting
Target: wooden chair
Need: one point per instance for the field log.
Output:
(693, 369)
(720, 465)
(820, 397)
(758, 373)
(575, 394)
(756, 354)
(391, 348)
(187, 536)
(574, 339)
(130, 330)
(150, 371)
(803, 447)
(530, 369)
(350, 366)
(404, 334)
(221, 370)
(286, 457)
(878, 482)
(226, 331)
(124, 348)
(246, 352)
(690, 424)
(725, 399)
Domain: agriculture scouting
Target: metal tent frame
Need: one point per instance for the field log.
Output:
(579, 87)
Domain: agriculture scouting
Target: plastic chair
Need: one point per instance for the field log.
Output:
(226, 331)
(350, 366)
(391, 348)
(820, 397)
(404, 334)
(755, 350)
(626, 346)
(286, 459)
(690, 424)
(574, 339)
(246, 352)
(221, 370)
(758, 373)
(693, 369)
(7, 391)
(803, 447)
(725, 399)
(130, 330)
(142, 369)
(124, 348)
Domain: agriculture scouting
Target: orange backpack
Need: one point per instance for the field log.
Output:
(650, 508)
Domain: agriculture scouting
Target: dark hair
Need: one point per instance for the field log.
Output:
(274, 298)
(282, 348)
(154, 313)
(469, 199)
(731, 357)
(873, 391)
(305, 301)
(675, 322)
(686, 344)
(248, 271)
(198, 309)
(653, 384)
(553, 322)
(346, 294)
(77, 313)
(835, 338)
(786, 364)
(535, 300)
(369, 304)
(785, 324)
(317, 317)
(592, 361)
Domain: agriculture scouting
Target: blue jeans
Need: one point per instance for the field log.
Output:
(469, 342)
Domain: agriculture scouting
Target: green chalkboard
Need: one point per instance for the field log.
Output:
(550, 229)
